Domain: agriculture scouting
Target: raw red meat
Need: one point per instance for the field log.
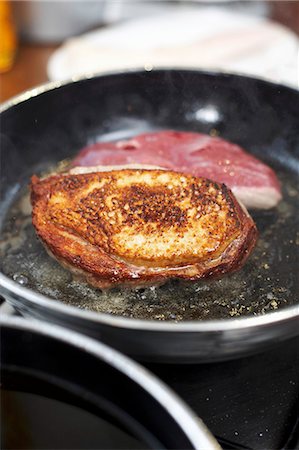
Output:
(253, 182)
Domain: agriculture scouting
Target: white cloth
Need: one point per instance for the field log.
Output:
(203, 38)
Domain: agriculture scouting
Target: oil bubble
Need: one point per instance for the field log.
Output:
(20, 278)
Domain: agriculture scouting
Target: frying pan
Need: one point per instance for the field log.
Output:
(111, 388)
(240, 314)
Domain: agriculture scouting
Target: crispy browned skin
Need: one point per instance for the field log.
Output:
(135, 227)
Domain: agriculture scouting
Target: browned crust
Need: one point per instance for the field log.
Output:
(87, 248)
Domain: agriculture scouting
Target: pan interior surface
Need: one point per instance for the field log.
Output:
(267, 282)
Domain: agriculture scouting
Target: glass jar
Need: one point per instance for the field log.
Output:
(8, 40)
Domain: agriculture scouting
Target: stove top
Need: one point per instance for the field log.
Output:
(249, 403)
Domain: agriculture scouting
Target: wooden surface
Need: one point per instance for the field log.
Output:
(28, 70)
(287, 13)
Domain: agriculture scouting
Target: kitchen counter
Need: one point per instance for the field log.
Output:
(29, 70)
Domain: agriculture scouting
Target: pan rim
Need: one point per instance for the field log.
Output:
(240, 323)
(52, 85)
(290, 312)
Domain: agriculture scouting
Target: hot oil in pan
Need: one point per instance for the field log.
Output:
(267, 282)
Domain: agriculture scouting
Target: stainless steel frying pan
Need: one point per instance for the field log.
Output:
(240, 314)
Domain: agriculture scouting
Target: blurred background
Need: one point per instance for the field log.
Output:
(57, 40)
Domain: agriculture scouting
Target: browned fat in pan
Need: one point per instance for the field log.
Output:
(267, 282)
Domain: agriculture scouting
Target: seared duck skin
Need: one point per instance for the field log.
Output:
(137, 227)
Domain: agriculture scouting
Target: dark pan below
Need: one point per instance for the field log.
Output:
(240, 313)
(112, 403)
